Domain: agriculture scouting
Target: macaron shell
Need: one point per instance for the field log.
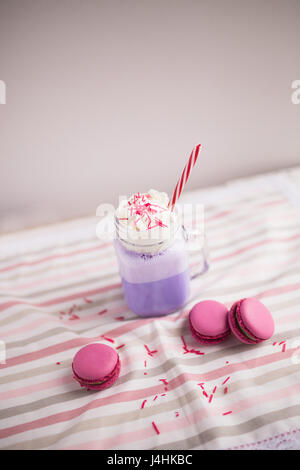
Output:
(209, 318)
(108, 382)
(257, 318)
(95, 361)
(207, 340)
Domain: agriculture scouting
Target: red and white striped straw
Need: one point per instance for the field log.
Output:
(184, 176)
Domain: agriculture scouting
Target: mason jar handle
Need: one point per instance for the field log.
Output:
(196, 243)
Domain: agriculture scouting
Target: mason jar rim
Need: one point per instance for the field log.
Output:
(143, 243)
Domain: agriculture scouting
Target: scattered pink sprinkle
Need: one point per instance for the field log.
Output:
(205, 394)
(74, 317)
(176, 414)
(225, 389)
(102, 311)
(145, 373)
(143, 404)
(58, 363)
(194, 351)
(163, 395)
(283, 347)
(148, 350)
(145, 363)
(282, 342)
(155, 397)
(166, 389)
(88, 301)
(210, 398)
(186, 350)
(120, 318)
(274, 343)
(214, 390)
(164, 381)
(121, 346)
(227, 413)
(227, 362)
(155, 427)
(184, 343)
(226, 380)
(108, 339)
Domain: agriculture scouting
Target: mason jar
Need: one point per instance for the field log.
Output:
(156, 274)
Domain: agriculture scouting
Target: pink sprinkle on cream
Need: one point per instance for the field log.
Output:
(155, 397)
(225, 389)
(283, 348)
(88, 301)
(281, 342)
(121, 346)
(227, 413)
(155, 427)
(210, 398)
(214, 390)
(143, 404)
(226, 380)
(205, 394)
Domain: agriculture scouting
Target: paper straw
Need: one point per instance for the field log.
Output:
(184, 176)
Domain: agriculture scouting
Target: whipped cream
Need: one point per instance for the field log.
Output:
(145, 223)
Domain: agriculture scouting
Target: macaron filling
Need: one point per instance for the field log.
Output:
(241, 325)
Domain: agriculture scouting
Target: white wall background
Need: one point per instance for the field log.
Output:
(108, 97)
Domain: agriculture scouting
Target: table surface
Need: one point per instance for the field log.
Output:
(60, 289)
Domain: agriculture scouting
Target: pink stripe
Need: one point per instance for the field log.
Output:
(254, 245)
(144, 393)
(48, 258)
(48, 385)
(192, 419)
(278, 290)
(63, 277)
(54, 349)
(59, 300)
(129, 326)
(21, 391)
(55, 321)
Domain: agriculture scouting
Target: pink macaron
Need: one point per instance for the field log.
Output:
(250, 321)
(209, 322)
(96, 366)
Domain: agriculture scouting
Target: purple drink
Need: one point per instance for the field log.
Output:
(155, 284)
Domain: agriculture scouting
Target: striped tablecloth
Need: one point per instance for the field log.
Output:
(60, 290)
